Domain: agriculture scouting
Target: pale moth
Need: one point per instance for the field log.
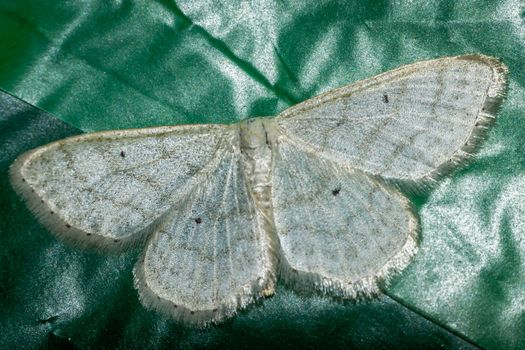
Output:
(312, 196)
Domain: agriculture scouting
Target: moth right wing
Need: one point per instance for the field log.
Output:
(212, 255)
(342, 228)
(411, 124)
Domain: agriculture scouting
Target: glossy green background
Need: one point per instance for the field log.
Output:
(106, 65)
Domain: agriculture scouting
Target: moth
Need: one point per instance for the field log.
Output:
(313, 196)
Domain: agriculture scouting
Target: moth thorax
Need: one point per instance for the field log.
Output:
(253, 133)
(257, 157)
(257, 162)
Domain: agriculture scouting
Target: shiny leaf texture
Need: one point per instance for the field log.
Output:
(107, 65)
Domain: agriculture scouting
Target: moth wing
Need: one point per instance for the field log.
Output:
(341, 231)
(411, 124)
(105, 189)
(212, 255)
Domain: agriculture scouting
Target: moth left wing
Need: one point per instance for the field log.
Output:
(106, 189)
(212, 255)
(341, 231)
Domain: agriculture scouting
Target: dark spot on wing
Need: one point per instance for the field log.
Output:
(198, 220)
(192, 312)
(215, 310)
(193, 169)
(68, 225)
(385, 98)
(48, 320)
(23, 180)
(115, 240)
(122, 154)
(51, 212)
(88, 234)
(174, 305)
(336, 191)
